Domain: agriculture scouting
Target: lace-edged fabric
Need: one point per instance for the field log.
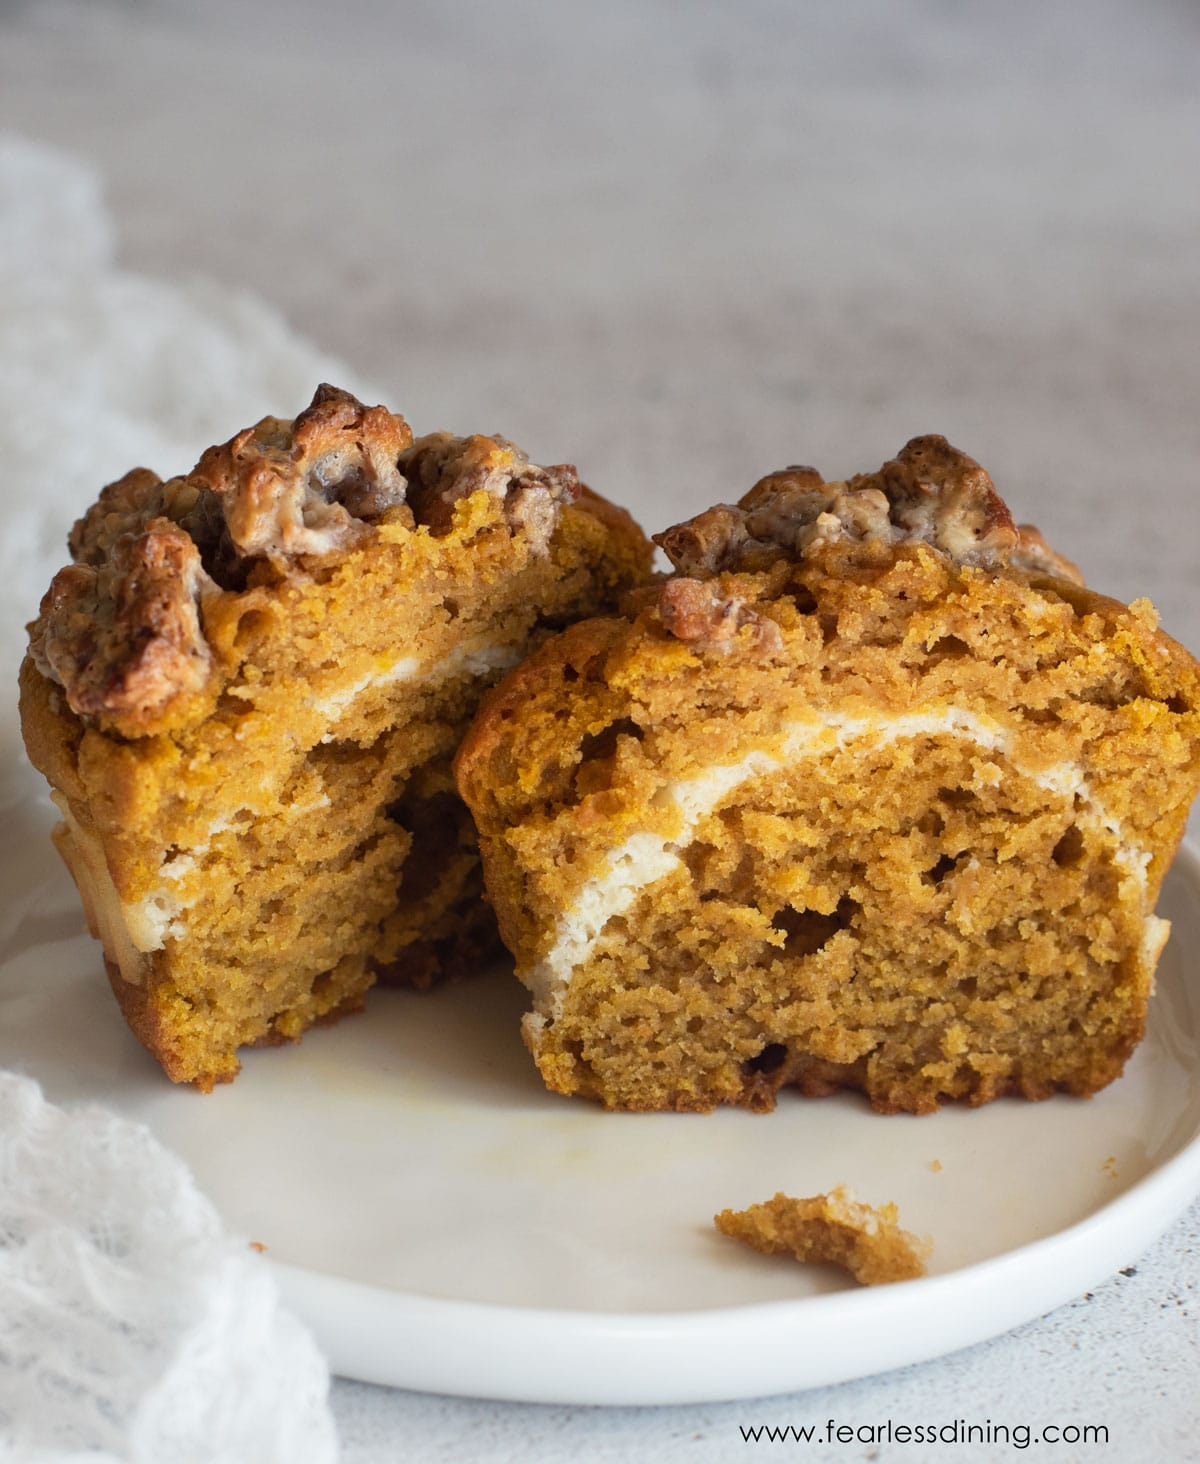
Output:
(133, 1328)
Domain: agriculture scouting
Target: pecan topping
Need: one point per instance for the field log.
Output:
(121, 627)
(713, 541)
(700, 611)
(930, 493)
(125, 636)
(128, 505)
(442, 469)
(942, 496)
(308, 486)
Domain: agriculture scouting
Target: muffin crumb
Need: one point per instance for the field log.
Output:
(865, 1240)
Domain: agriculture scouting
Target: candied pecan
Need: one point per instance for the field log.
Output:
(707, 544)
(129, 504)
(123, 507)
(443, 469)
(794, 479)
(703, 613)
(124, 637)
(930, 492)
(308, 486)
(941, 495)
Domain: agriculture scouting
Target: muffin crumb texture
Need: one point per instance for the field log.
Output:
(864, 1240)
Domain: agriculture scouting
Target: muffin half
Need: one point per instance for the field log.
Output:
(871, 793)
(246, 690)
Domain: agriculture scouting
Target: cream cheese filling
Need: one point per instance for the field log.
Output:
(128, 930)
(404, 668)
(471, 658)
(159, 916)
(645, 858)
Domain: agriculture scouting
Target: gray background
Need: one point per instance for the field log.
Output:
(681, 245)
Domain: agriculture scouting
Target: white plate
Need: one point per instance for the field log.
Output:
(443, 1223)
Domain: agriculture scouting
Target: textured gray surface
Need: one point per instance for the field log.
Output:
(680, 246)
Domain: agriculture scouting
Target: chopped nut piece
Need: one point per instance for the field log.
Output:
(697, 611)
(864, 1240)
(308, 486)
(707, 544)
(929, 493)
(442, 469)
(126, 636)
(122, 508)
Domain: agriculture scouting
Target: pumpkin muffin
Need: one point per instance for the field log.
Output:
(872, 793)
(246, 689)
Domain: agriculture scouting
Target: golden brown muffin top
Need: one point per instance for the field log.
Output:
(121, 628)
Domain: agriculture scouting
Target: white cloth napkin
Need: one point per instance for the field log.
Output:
(133, 1328)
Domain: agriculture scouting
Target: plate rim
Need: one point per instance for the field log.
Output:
(422, 1328)
(459, 1347)
(683, 1356)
